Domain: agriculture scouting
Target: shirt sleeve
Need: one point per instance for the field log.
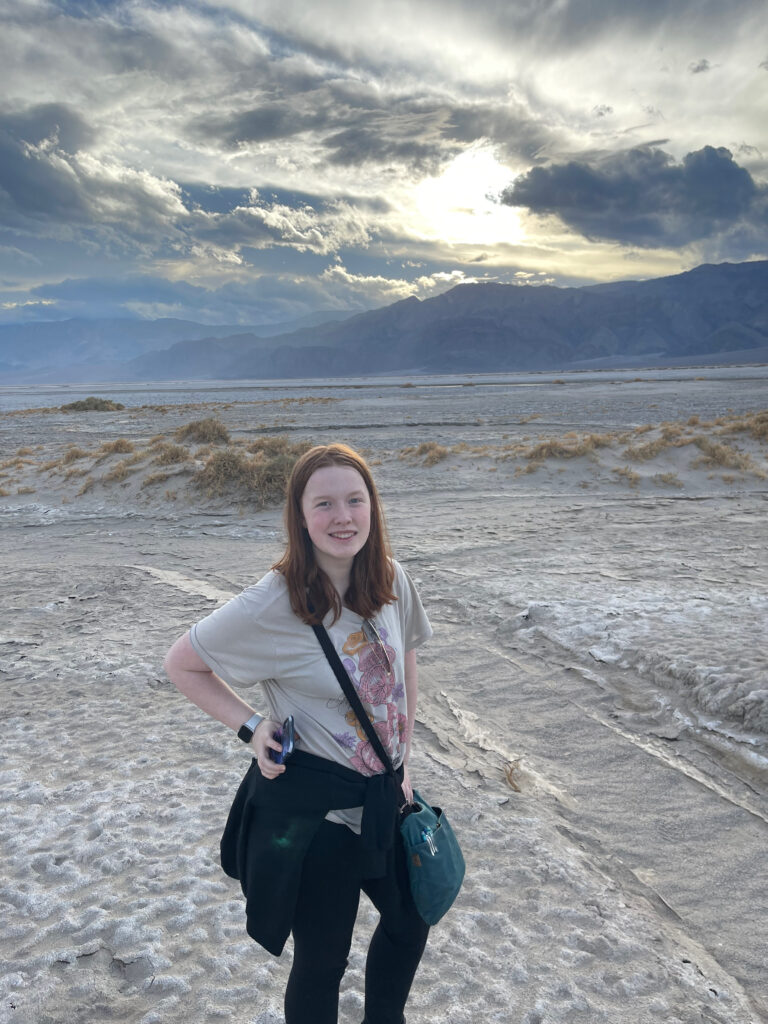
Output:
(233, 642)
(416, 626)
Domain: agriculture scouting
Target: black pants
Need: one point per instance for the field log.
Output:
(322, 932)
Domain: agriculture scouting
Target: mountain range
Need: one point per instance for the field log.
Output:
(708, 314)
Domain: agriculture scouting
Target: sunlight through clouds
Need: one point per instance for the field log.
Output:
(459, 206)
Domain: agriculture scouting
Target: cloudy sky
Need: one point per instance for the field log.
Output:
(252, 161)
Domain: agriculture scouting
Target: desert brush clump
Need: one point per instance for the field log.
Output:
(154, 478)
(121, 446)
(667, 479)
(571, 448)
(716, 454)
(207, 431)
(118, 473)
(92, 404)
(632, 478)
(529, 467)
(754, 424)
(649, 450)
(757, 425)
(170, 454)
(429, 452)
(260, 477)
(275, 446)
(73, 454)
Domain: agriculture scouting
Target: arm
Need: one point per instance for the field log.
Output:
(411, 693)
(192, 677)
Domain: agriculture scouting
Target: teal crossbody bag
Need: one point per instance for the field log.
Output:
(435, 862)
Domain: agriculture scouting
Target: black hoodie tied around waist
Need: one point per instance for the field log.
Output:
(272, 822)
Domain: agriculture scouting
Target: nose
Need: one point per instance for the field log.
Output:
(342, 514)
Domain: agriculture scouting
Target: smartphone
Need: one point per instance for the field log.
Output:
(286, 736)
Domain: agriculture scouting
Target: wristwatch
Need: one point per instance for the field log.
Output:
(247, 729)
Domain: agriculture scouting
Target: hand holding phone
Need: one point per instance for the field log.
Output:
(287, 737)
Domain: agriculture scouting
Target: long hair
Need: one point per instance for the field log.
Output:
(373, 573)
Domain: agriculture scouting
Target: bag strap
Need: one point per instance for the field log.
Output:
(352, 696)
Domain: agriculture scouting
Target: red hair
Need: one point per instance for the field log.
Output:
(373, 573)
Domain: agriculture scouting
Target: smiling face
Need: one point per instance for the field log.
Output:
(336, 510)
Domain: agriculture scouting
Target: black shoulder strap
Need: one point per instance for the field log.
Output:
(351, 694)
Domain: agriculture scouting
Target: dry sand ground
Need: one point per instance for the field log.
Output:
(593, 712)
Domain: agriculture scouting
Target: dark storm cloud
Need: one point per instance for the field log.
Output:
(348, 126)
(411, 139)
(32, 184)
(514, 130)
(642, 196)
(48, 121)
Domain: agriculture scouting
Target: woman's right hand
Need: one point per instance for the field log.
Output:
(261, 741)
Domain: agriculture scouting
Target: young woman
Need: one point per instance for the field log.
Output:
(307, 836)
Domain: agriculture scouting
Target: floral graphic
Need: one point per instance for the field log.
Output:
(379, 691)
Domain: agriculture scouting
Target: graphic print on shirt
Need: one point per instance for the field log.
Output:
(380, 692)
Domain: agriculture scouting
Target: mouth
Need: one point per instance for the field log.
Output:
(344, 535)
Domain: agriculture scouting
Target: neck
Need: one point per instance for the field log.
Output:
(339, 574)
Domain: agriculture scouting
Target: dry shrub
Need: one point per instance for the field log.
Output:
(52, 464)
(207, 431)
(25, 451)
(757, 425)
(92, 404)
(553, 448)
(87, 485)
(75, 471)
(154, 478)
(668, 479)
(529, 467)
(260, 477)
(171, 495)
(25, 490)
(122, 446)
(171, 455)
(277, 445)
(671, 431)
(693, 421)
(644, 429)
(118, 473)
(644, 452)
(73, 454)
(716, 454)
(430, 453)
(4, 493)
(632, 478)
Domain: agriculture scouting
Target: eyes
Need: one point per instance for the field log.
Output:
(354, 500)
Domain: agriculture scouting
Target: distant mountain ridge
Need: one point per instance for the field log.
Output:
(711, 313)
(58, 344)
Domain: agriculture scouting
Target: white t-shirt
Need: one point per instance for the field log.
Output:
(257, 638)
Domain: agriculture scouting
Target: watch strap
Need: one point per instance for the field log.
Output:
(247, 729)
